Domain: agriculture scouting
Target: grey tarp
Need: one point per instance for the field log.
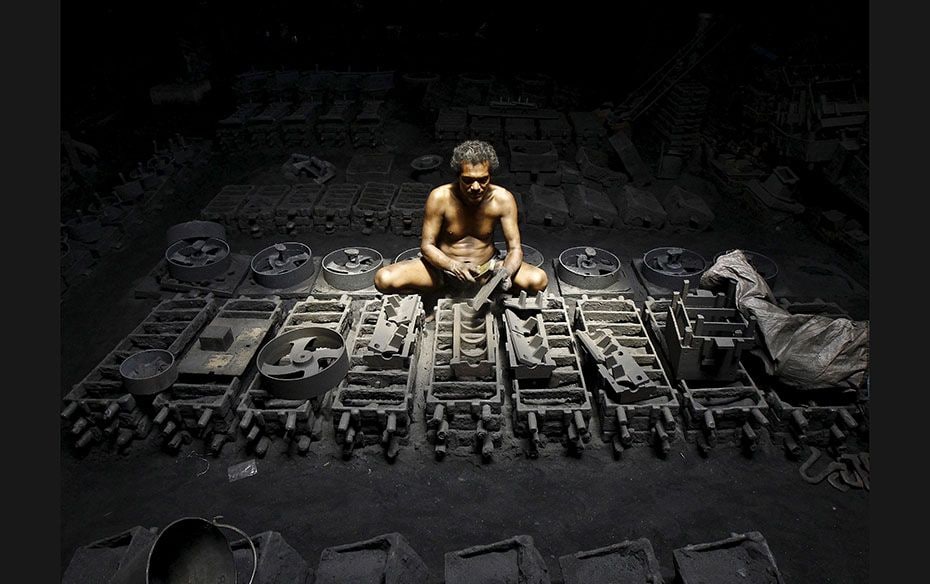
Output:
(803, 351)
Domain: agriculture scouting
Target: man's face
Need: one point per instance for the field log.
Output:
(474, 181)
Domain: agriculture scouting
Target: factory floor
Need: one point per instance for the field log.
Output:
(567, 504)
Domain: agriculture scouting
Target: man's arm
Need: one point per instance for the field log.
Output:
(511, 230)
(432, 223)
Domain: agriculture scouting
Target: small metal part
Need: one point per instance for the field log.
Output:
(668, 418)
(819, 477)
(487, 447)
(87, 438)
(246, 420)
(262, 447)
(216, 444)
(253, 434)
(661, 437)
(670, 266)
(443, 431)
(590, 268)
(750, 438)
(847, 419)
(343, 426)
(481, 297)
(617, 447)
(440, 450)
(290, 424)
(486, 413)
(349, 443)
(480, 432)
(621, 416)
(175, 442)
(759, 417)
(582, 426)
(533, 427)
(393, 448)
(148, 372)
(198, 260)
(124, 438)
(205, 418)
(626, 438)
(303, 363)
(352, 268)
(792, 447)
(836, 435)
(111, 411)
(834, 479)
(169, 429)
(709, 423)
(800, 422)
(303, 444)
(69, 410)
(437, 418)
(391, 425)
(282, 265)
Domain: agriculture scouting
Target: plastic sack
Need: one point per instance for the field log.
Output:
(803, 351)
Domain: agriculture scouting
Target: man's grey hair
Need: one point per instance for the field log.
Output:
(473, 152)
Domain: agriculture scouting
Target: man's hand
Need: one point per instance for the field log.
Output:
(460, 271)
(505, 283)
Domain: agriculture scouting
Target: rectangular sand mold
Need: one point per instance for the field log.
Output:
(372, 210)
(294, 214)
(332, 313)
(334, 207)
(200, 408)
(730, 412)
(258, 210)
(235, 335)
(408, 208)
(559, 406)
(369, 168)
(619, 316)
(467, 395)
(373, 403)
(818, 417)
(224, 207)
(264, 417)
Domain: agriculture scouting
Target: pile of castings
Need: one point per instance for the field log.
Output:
(195, 549)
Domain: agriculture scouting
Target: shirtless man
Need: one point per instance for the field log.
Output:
(458, 228)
